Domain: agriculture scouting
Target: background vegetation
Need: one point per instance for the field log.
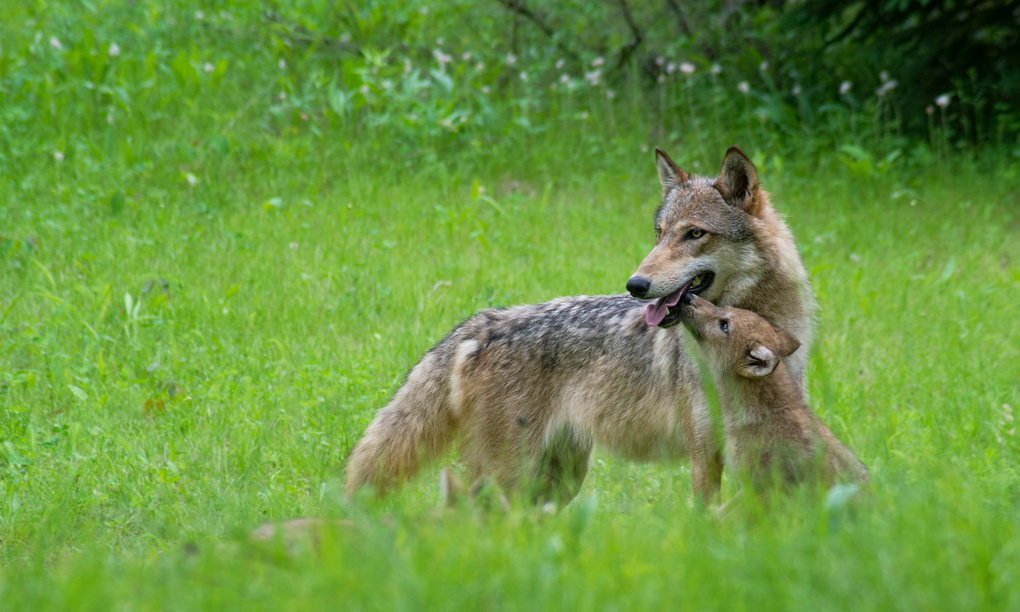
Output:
(228, 228)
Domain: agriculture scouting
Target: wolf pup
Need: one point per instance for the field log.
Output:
(527, 391)
(772, 435)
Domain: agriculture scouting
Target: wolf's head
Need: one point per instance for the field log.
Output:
(736, 341)
(705, 238)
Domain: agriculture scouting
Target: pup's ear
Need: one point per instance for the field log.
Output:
(760, 361)
(670, 174)
(788, 343)
(738, 182)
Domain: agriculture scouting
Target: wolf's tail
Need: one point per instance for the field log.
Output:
(415, 427)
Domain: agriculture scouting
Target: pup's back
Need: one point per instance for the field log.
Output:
(771, 432)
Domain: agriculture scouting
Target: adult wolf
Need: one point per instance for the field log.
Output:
(527, 391)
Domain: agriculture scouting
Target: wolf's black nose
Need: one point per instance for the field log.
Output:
(638, 286)
(687, 298)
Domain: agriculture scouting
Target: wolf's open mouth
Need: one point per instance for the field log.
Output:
(662, 312)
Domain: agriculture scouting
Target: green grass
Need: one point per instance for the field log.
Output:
(180, 362)
(286, 324)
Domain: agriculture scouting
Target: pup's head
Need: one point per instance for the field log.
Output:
(736, 341)
(703, 237)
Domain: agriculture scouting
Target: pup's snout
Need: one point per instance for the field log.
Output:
(638, 286)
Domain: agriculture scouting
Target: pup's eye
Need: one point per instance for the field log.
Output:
(724, 325)
(694, 234)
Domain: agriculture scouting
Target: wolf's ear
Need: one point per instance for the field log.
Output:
(759, 362)
(788, 343)
(738, 182)
(670, 174)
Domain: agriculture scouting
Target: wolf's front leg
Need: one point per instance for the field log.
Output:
(706, 475)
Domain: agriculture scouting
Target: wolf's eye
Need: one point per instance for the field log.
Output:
(694, 234)
(724, 325)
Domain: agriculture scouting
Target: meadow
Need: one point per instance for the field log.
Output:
(216, 264)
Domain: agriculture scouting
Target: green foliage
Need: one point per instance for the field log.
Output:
(207, 288)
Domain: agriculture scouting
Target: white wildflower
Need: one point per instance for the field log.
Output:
(659, 61)
(480, 66)
(845, 87)
(441, 57)
(282, 64)
(716, 69)
(486, 89)
(364, 90)
(886, 88)
(687, 68)
(564, 79)
(743, 87)
(598, 61)
(671, 68)
(466, 56)
(524, 76)
(559, 64)
(795, 91)
(282, 96)
(610, 94)
(511, 59)
(199, 15)
(114, 49)
(55, 43)
(763, 66)
(192, 181)
(208, 67)
(942, 101)
(58, 156)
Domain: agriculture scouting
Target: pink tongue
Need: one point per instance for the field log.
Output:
(656, 312)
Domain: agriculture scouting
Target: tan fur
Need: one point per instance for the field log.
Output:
(772, 435)
(527, 391)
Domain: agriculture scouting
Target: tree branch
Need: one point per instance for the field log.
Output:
(628, 49)
(680, 19)
(517, 6)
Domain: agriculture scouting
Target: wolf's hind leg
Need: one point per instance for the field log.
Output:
(562, 468)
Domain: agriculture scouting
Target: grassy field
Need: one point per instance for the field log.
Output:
(202, 306)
